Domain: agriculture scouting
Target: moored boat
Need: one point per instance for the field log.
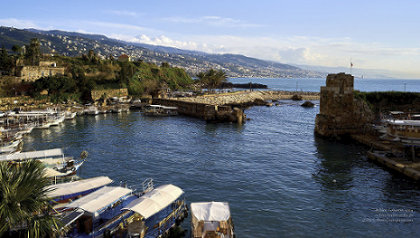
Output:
(98, 212)
(159, 110)
(211, 220)
(156, 212)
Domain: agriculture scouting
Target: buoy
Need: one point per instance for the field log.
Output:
(334, 181)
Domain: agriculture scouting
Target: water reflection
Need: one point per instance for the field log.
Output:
(335, 167)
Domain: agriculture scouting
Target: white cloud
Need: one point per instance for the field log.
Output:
(18, 23)
(301, 50)
(212, 21)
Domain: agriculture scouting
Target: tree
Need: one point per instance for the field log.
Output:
(6, 62)
(33, 53)
(23, 201)
(212, 78)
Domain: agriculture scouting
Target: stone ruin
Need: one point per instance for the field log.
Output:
(340, 114)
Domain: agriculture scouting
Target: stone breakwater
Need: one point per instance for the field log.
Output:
(247, 97)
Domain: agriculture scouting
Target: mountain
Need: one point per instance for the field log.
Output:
(360, 72)
(74, 44)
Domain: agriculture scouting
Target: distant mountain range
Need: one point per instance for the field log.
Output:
(361, 73)
(74, 44)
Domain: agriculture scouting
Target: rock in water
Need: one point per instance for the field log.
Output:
(308, 104)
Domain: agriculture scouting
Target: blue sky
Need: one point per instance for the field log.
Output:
(372, 34)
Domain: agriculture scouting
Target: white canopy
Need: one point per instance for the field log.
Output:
(69, 188)
(210, 211)
(155, 200)
(100, 199)
(32, 155)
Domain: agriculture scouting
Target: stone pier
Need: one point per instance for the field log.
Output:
(208, 112)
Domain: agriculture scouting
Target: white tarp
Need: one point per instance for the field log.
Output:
(100, 199)
(69, 188)
(210, 211)
(33, 155)
(155, 200)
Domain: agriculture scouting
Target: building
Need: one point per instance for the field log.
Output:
(44, 69)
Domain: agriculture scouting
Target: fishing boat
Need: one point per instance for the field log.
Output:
(70, 115)
(211, 220)
(56, 164)
(98, 212)
(156, 212)
(91, 110)
(56, 120)
(10, 147)
(159, 110)
(406, 131)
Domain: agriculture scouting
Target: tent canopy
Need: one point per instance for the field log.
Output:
(32, 155)
(100, 199)
(155, 200)
(63, 189)
(210, 211)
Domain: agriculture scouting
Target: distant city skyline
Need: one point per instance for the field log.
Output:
(370, 34)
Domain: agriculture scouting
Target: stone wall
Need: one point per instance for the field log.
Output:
(32, 73)
(208, 112)
(340, 114)
(243, 97)
(97, 94)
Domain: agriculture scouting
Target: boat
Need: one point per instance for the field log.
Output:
(406, 131)
(70, 115)
(64, 193)
(159, 110)
(59, 118)
(211, 220)
(156, 212)
(56, 164)
(91, 110)
(98, 212)
(10, 147)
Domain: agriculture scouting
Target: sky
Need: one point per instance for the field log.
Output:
(371, 34)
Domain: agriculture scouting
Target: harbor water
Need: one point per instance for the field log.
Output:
(278, 177)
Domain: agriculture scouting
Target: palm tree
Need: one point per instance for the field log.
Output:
(212, 78)
(24, 205)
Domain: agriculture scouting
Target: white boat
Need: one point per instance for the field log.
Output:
(70, 115)
(91, 110)
(97, 212)
(211, 219)
(53, 159)
(406, 131)
(58, 119)
(159, 110)
(11, 147)
(156, 212)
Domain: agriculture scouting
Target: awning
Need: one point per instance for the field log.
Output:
(32, 155)
(71, 217)
(100, 199)
(210, 211)
(155, 200)
(64, 189)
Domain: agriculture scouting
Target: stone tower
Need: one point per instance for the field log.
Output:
(337, 107)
